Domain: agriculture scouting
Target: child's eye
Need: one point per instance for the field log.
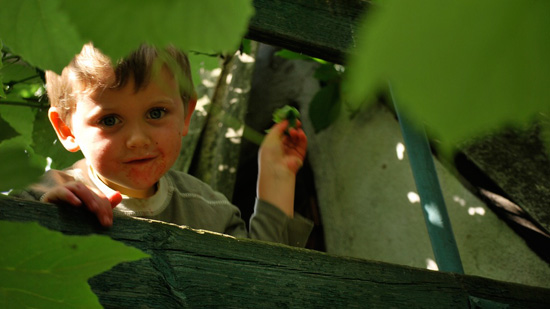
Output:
(109, 121)
(156, 113)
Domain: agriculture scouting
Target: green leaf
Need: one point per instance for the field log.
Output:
(21, 168)
(6, 131)
(327, 73)
(206, 25)
(39, 32)
(463, 68)
(19, 71)
(287, 112)
(325, 107)
(2, 93)
(46, 269)
(246, 47)
(287, 54)
(20, 118)
(45, 143)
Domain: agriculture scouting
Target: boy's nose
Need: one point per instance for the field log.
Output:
(138, 138)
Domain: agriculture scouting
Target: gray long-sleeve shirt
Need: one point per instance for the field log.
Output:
(185, 200)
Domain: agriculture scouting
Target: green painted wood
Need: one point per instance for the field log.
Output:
(200, 269)
(434, 209)
(318, 28)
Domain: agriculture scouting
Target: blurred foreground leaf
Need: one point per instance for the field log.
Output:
(46, 269)
(325, 107)
(48, 34)
(39, 32)
(20, 166)
(6, 131)
(2, 93)
(463, 68)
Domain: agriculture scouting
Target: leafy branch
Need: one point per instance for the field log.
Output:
(29, 103)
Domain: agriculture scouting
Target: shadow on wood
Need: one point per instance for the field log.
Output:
(192, 268)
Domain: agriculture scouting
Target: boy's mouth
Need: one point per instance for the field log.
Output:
(139, 160)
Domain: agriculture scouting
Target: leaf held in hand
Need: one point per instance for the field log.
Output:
(286, 112)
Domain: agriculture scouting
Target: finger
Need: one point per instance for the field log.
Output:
(115, 199)
(61, 194)
(294, 164)
(278, 129)
(95, 202)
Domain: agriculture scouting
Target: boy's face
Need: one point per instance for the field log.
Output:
(132, 138)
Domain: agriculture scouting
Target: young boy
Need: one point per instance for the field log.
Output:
(128, 120)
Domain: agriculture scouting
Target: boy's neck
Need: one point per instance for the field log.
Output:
(129, 192)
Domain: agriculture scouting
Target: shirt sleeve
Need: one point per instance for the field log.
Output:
(271, 224)
(48, 181)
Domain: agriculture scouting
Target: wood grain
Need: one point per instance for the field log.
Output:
(192, 268)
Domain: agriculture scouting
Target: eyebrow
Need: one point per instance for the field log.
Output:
(163, 100)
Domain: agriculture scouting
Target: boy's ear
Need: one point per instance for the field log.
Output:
(189, 112)
(64, 132)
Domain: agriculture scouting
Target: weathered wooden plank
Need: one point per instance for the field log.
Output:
(318, 28)
(190, 269)
(516, 161)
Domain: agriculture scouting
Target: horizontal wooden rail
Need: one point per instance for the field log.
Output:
(191, 268)
(320, 28)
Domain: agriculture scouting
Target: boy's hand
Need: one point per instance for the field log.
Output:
(281, 156)
(286, 150)
(78, 194)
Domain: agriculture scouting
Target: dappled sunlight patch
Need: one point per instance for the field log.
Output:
(210, 81)
(48, 164)
(239, 90)
(400, 150)
(434, 216)
(472, 211)
(228, 78)
(245, 58)
(413, 197)
(234, 135)
(459, 200)
(431, 264)
(225, 167)
(201, 104)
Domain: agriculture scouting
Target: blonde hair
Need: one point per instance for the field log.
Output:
(91, 70)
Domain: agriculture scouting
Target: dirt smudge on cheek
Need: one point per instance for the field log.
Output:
(148, 174)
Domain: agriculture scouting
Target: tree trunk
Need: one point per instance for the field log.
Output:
(218, 156)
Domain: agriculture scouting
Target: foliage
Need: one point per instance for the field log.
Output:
(286, 112)
(463, 68)
(48, 34)
(50, 270)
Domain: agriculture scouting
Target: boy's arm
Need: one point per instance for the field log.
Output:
(281, 156)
